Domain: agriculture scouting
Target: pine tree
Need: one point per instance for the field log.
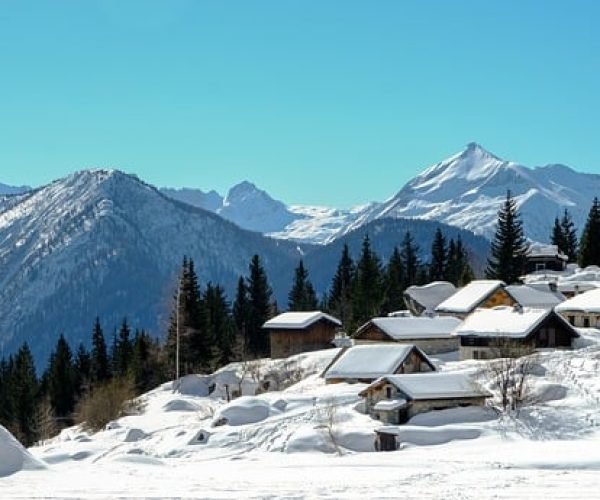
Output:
(259, 311)
(557, 237)
(83, 370)
(589, 246)
(62, 380)
(393, 283)
(410, 260)
(340, 297)
(146, 369)
(100, 364)
(123, 350)
(241, 312)
(221, 325)
(439, 257)
(570, 236)
(302, 296)
(509, 247)
(367, 293)
(25, 391)
(7, 393)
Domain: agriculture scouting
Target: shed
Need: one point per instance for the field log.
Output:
(582, 310)
(431, 334)
(395, 399)
(367, 362)
(512, 331)
(477, 294)
(424, 299)
(295, 332)
(541, 257)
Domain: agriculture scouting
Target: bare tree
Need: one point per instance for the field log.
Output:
(45, 421)
(510, 371)
(328, 422)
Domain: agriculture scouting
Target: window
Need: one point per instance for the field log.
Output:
(586, 322)
(572, 320)
(475, 354)
(388, 392)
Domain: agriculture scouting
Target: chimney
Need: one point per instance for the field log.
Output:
(518, 308)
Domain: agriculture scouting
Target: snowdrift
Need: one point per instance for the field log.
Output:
(14, 457)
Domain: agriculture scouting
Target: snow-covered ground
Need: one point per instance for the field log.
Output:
(278, 444)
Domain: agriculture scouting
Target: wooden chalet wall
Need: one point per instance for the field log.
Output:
(317, 336)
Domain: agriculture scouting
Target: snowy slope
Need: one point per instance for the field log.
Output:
(279, 444)
(100, 242)
(5, 189)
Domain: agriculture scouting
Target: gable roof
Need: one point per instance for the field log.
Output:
(435, 385)
(506, 321)
(469, 297)
(587, 302)
(429, 296)
(543, 250)
(371, 361)
(536, 295)
(299, 320)
(413, 327)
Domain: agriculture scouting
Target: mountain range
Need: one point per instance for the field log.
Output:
(104, 243)
(465, 190)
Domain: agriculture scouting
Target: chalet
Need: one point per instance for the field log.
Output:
(536, 295)
(477, 294)
(512, 331)
(395, 399)
(296, 332)
(424, 299)
(582, 310)
(431, 334)
(367, 362)
(545, 258)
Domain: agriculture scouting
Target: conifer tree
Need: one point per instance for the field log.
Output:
(7, 393)
(557, 237)
(62, 380)
(570, 236)
(24, 393)
(509, 247)
(367, 293)
(393, 282)
(100, 364)
(340, 296)
(302, 296)
(221, 326)
(259, 310)
(439, 257)
(241, 312)
(83, 369)
(123, 350)
(410, 260)
(589, 246)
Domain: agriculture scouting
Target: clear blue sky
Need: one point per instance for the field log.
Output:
(321, 101)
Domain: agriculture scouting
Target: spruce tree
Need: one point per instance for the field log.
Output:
(100, 364)
(221, 325)
(259, 310)
(409, 253)
(25, 390)
(570, 236)
(62, 381)
(123, 350)
(340, 296)
(589, 246)
(367, 293)
(439, 257)
(7, 393)
(241, 312)
(393, 284)
(509, 247)
(302, 296)
(557, 237)
(83, 370)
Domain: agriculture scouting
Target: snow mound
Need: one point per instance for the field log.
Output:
(548, 392)
(14, 457)
(133, 435)
(309, 439)
(245, 410)
(433, 436)
(132, 458)
(180, 405)
(194, 385)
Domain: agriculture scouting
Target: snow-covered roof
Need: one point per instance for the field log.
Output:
(299, 320)
(543, 250)
(502, 321)
(371, 361)
(537, 295)
(588, 302)
(469, 297)
(432, 294)
(405, 328)
(389, 404)
(434, 385)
